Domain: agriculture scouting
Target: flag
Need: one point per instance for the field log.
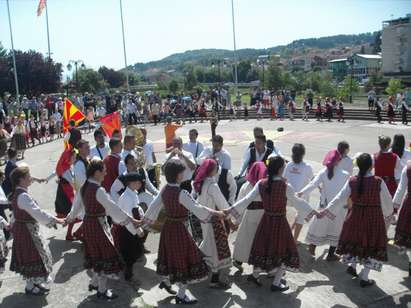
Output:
(41, 7)
(71, 112)
(111, 122)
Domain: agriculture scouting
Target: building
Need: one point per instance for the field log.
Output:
(363, 66)
(396, 48)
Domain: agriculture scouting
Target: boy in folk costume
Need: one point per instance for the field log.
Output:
(99, 252)
(274, 249)
(251, 217)
(330, 180)
(387, 164)
(31, 257)
(363, 237)
(215, 235)
(179, 259)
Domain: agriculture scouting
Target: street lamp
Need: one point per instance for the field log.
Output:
(76, 64)
(262, 61)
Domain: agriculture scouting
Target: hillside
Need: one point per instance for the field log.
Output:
(299, 47)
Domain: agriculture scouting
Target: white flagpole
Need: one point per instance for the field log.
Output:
(48, 35)
(124, 44)
(13, 55)
(235, 51)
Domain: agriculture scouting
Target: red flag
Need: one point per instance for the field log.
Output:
(71, 112)
(111, 122)
(41, 7)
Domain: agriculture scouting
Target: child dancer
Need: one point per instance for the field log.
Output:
(340, 111)
(4, 225)
(363, 237)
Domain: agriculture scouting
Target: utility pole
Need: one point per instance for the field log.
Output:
(16, 82)
(124, 45)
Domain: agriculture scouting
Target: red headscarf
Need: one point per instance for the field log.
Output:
(203, 172)
(257, 172)
(331, 159)
(64, 162)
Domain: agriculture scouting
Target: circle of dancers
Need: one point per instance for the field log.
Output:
(112, 193)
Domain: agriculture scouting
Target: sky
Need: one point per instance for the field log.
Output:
(90, 30)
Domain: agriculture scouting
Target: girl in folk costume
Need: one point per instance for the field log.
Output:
(291, 109)
(363, 237)
(398, 147)
(387, 164)
(319, 110)
(30, 257)
(274, 103)
(346, 162)
(328, 109)
(99, 252)
(19, 136)
(179, 259)
(340, 111)
(330, 180)
(130, 246)
(251, 218)
(391, 109)
(305, 109)
(403, 230)
(245, 111)
(43, 129)
(65, 189)
(215, 236)
(33, 130)
(274, 249)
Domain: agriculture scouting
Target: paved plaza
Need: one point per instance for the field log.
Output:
(318, 284)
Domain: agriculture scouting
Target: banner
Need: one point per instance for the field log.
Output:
(71, 112)
(41, 7)
(110, 123)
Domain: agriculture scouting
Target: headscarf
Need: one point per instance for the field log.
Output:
(64, 161)
(332, 158)
(257, 172)
(203, 172)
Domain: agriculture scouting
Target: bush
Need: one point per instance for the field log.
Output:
(394, 87)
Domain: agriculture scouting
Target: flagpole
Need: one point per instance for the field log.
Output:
(124, 44)
(235, 51)
(13, 55)
(48, 35)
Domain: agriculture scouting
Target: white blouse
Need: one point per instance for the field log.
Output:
(127, 202)
(401, 189)
(211, 195)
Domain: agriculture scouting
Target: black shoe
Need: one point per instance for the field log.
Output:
(32, 292)
(238, 265)
(366, 283)
(92, 288)
(352, 271)
(280, 288)
(168, 288)
(108, 295)
(186, 300)
(128, 274)
(219, 285)
(409, 269)
(257, 281)
(42, 288)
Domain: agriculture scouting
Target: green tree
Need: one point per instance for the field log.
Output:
(274, 77)
(394, 86)
(173, 86)
(114, 78)
(348, 86)
(243, 69)
(90, 80)
(377, 42)
(190, 80)
(133, 79)
(200, 74)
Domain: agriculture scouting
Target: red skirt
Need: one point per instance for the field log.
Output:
(25, 258)
(99, 252)
(274, 245)
(178, 255)
(363, 234)
(403, 230)
(221, 239)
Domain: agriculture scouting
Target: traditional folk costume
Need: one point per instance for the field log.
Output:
(179, 258)
(324, 231)
(403, 230)
(305, 110)
(404, 110)
(386, 165)
(215, 235)
(340, 112)
(31, 257)
(274, 248)
(251, 218)
(19, 137)
(319, 112)
(111, 162)
(328, 111)
(3, 245)
(363, 237)
(390, 112)
(100, 255)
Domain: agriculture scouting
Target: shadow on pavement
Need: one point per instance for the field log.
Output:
(20, 300)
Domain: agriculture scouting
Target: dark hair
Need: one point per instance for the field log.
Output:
(261, 137)
(218, 139)
(113, 143)
(172, 169)
(384, 142)
(80, 143)
(342, 147)
(364, 163)
(98, 132)
(11, 153)
(94, 166)
(298, 152)
(16, 175)
(194, 131)
(274, 165)
(128, 158)
(116, 131)
(258, 130)
(128, 138)
(398, 145)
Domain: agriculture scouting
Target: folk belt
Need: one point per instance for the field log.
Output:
(176, 219)
(95, 215)
(273, 214)
(23, 221)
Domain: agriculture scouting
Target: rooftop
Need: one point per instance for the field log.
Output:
(369, 56)
(338, 60)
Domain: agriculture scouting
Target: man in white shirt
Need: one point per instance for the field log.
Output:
(131, 111)
(101, 150)
(81, 164)
(128, 148)
(217, 152)
(186, 158)
(150, 157)
(100, 111)
(193, 146)
(259, 152)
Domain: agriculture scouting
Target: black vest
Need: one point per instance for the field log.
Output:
(85, 162)
(223, 184)
(253, 155)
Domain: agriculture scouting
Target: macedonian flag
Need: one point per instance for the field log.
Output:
(41, 7)
(71, 112)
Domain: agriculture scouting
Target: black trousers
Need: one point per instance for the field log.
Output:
(404, 117)
(155, 119)
(186, 185)
(152, 176)
(132, 119)
(378, 114)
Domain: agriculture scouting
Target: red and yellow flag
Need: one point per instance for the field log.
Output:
(41, 7)
(71, 112)
(111, 122)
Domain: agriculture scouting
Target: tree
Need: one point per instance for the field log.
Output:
(133, 79)
(190, 80)
(349, 86)
(115, 79)
(274, 78)
(243, 69)
(90, 80)
(200, 74)
(377, 42)
(394, 86)
(173, 86)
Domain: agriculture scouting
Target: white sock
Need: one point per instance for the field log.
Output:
(29, 284)
(408, 252)
(278, 276)
(94, 280)
(364, 273)
(102, 284)
(181, 290)
(256, 272)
